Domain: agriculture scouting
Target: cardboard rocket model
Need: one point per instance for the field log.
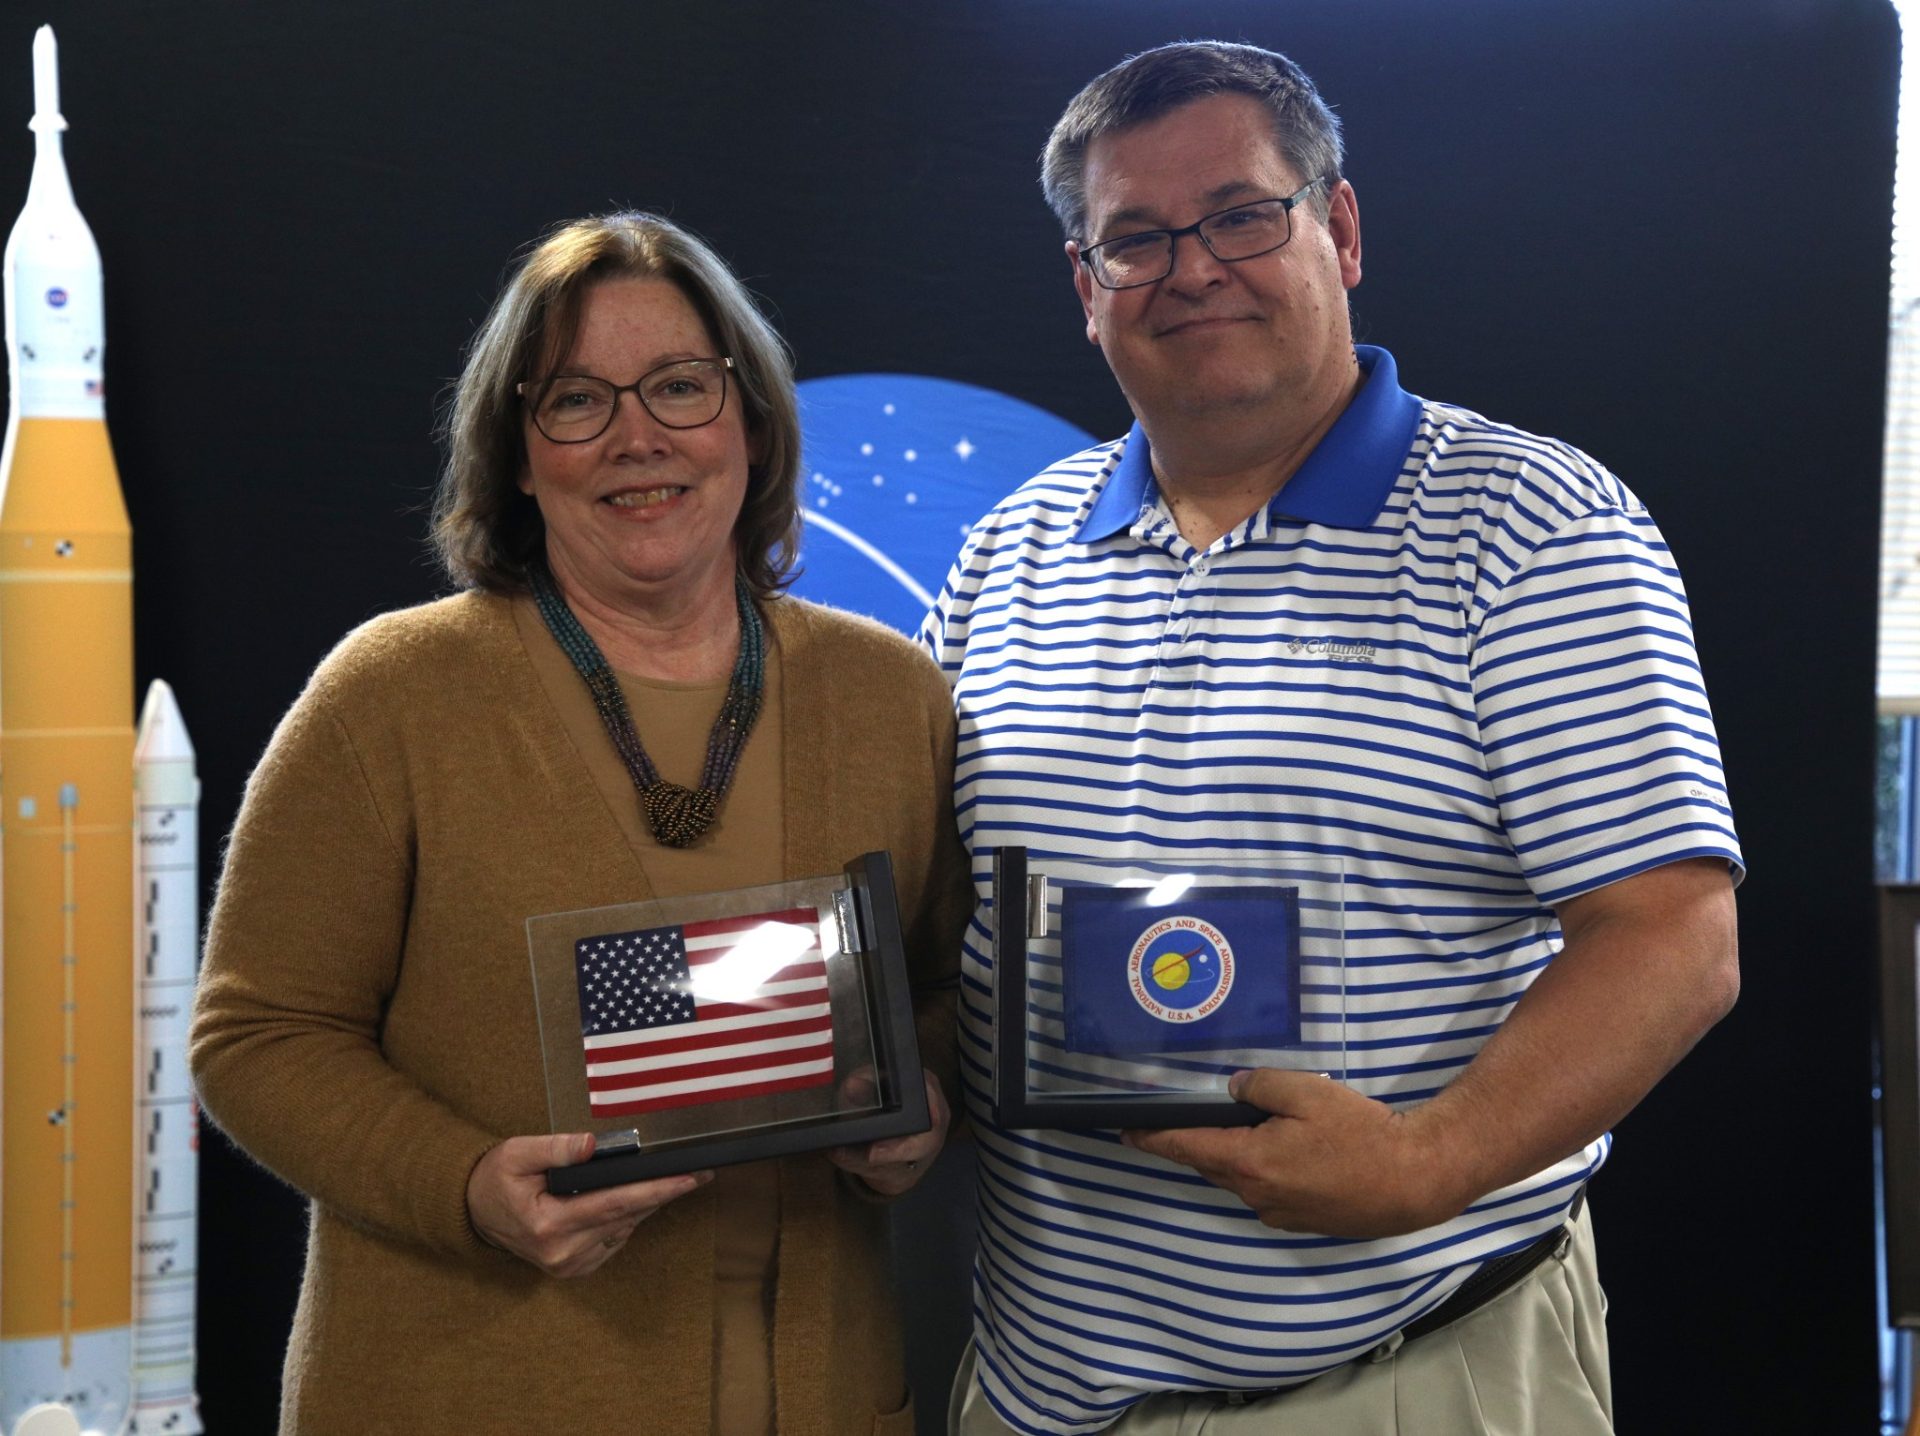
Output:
(67, 1037)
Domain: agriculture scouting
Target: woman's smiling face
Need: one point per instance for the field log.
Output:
(642, 510)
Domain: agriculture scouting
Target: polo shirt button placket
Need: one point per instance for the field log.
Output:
(1173, 634)
(1169, 641)
(1202, 565)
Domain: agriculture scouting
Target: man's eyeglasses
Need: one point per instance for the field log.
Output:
(1244, 232)
(577, 408)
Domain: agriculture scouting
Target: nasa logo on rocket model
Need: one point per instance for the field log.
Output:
(66, 827)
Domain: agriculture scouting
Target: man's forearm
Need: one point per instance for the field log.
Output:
(1650, 964)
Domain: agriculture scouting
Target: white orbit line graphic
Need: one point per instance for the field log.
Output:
(898, 574)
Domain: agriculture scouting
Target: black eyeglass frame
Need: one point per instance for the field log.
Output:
(539, 391)
(1198, 231)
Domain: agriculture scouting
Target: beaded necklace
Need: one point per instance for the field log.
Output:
(678, 817)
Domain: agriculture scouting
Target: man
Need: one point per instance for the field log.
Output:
(1297, 612)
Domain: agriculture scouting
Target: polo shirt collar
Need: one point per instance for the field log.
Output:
(1344, 482)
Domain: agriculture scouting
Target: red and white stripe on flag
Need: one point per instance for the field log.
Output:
(762, 1022)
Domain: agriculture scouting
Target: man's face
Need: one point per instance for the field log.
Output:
(1213, 338)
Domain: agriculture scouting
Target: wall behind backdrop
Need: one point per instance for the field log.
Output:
(1658, 232)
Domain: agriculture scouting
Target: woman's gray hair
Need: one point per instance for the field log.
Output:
(486, 532)
(1154, 82)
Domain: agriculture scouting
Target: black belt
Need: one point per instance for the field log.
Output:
(1500, 1275)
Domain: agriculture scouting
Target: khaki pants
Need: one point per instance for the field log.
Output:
(1532, 1362)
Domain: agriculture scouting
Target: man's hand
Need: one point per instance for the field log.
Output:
(1328, 1160)
(894, 1165)
(511, 1208)
(1649, 964)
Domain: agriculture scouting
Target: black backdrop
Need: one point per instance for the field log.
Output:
(1658, 231)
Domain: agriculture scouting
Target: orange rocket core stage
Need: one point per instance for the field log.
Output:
(66, 841)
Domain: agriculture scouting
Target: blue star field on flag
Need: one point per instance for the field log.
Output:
(633, 980)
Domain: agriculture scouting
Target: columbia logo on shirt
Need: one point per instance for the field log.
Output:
(1333, 650)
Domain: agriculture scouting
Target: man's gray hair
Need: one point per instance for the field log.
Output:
(1148, 85)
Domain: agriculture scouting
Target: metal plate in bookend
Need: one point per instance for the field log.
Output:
(1126, 994)
(702, 1031)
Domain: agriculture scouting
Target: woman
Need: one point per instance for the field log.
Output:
(620, 495)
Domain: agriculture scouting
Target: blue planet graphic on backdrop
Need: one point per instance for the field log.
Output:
(895, 470)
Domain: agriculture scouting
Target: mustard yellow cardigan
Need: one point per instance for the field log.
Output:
(365, 1028)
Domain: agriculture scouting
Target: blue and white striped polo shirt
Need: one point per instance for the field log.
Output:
(1456, 656)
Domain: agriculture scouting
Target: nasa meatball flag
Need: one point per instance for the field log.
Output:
(1217, 968)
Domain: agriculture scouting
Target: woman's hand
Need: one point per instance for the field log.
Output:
(894, 1165)
(511, 1208)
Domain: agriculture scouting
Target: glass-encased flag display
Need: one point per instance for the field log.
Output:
(727, 1027)
(1126, 993)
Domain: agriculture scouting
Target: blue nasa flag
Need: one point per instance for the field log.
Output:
(1215, 968)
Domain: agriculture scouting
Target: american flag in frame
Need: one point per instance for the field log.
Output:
(729, 1026)
(690, 1013)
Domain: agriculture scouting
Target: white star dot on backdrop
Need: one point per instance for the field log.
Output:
(886, 547)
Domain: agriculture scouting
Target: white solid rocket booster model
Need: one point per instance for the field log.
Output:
(167, 1194)
(67, 953)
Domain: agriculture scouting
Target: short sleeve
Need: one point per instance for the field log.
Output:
(1592, 713)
